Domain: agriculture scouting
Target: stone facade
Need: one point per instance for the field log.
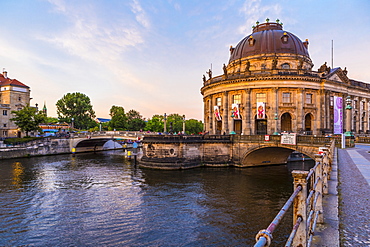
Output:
(14, 95)
(269, 87)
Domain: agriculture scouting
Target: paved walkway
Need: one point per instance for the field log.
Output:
(354, 195)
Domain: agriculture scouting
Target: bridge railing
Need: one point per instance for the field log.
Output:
(309, 187)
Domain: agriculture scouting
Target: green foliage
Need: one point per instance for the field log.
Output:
(193, 126)
(118, 118)
(28, 119)
(77, 106)
(51, 120)
(155, 124)
(177, 122)
(14, 141)
(135, 121)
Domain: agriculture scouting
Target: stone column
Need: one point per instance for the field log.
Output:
(326, 116)
(276, 111)
(211, 115)
(225, 114)
(366, 116)
(247, 112)
(300, 106)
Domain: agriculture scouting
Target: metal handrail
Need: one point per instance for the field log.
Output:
(289, 242)
(264, 236)
(307, 207)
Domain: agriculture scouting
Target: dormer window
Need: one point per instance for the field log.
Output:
(251, 41)
(285, 38)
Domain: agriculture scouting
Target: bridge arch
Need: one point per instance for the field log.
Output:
(266, 155)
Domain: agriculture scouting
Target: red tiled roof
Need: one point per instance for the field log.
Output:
(11, 82)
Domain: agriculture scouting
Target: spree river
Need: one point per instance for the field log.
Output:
(102, 199)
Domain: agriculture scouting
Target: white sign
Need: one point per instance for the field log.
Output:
(288, 138)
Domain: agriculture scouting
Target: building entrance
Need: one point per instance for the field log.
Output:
(238, 126)
(218, 127)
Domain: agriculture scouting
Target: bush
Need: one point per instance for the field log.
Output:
(13, 141)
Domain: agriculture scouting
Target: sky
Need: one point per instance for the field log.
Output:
(150, 55)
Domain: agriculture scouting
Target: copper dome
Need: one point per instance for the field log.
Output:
(269, 38)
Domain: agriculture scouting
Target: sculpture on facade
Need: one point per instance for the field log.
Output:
(209, 72)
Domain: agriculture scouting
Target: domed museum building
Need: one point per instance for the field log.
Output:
(269, 87)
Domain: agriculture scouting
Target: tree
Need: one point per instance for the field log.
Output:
(176, 120)
(135, 121)
(51, 120)
(118, 118)
(193, 126)
(76, 106)
(28, 119)
(155, 124)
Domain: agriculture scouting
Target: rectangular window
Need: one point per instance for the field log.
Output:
(237, 99)
(261, 97)
(218, 102)
(331, 100)
(309, 98)
(5, 112)
(355, 104)
(5, 125)
(286, 97)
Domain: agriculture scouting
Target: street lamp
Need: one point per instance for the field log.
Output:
(183, 124)
(73, 123)
(165, 123)
(276, 124)
(348, 116)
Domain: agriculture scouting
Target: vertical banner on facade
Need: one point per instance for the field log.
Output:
(338, 115)
(216, 110)
(260, 110)
(235, 111)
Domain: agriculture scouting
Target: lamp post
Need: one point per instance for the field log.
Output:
(73, 123)
(183, 124)
(348, 116)
(165, 123)
(276, 123)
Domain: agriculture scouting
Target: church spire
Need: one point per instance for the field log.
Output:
(44, 109)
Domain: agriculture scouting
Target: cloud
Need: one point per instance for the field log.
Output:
(141, 16)
(255, 11)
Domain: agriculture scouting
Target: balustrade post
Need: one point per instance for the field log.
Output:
(326, 173)
(300, 207)
(319, 159)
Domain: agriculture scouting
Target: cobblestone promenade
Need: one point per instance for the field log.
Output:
(354, 195)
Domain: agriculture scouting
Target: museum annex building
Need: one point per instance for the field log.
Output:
(269, 87)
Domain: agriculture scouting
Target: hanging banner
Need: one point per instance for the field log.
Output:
(338, 115)
(260, 110)
(216, 110)
(235, 111)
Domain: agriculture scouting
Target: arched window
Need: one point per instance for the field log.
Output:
(286, 122)
(285, 66)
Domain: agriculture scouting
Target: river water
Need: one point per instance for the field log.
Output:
(102, 199)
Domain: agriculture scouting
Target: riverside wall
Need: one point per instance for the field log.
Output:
(36, 148)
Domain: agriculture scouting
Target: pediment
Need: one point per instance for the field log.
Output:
(338, 75)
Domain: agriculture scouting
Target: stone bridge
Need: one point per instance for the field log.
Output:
(95, 141)
(181, 152)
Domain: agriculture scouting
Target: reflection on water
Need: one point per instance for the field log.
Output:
(103, 199)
